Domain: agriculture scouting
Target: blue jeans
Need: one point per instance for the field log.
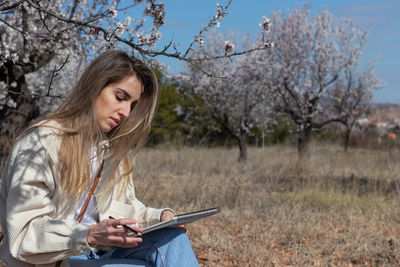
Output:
(167, 247)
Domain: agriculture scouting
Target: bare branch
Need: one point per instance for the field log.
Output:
(42, 19)
(205, 28)
(55, 74)
(7, 8)
(32, 94)
(262, 47)
(73, 9)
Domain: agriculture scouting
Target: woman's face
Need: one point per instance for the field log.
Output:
(116, 101)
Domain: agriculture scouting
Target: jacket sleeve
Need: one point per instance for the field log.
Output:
(34, 235)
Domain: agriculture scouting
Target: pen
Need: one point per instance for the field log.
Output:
(127, 227)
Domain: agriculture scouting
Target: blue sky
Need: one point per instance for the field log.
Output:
(184, 18)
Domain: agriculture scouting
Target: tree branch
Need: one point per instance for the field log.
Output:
(55, 74)
(211, 23)
(7, 8)
(139, 48)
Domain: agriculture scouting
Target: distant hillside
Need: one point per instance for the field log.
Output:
(385, 114)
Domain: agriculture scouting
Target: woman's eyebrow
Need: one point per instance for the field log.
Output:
(125, 92)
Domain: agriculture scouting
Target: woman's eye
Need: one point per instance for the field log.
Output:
(119, 98)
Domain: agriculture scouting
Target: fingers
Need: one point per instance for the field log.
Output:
(166, 215)
(182, 227)
(124, 241)
(116, 222)
(113, 233)
(122, 226)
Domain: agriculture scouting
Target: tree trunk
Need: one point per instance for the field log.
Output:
(303, 139)
(242, 148)
(241, 137)
(346, 140)
(14, 120)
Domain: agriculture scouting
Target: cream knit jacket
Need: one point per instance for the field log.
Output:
(37, 219)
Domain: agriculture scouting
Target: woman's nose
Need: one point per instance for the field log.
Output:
(124, 111)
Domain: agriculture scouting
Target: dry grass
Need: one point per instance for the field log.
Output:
(332, 209)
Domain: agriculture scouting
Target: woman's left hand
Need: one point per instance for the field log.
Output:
(168, 214)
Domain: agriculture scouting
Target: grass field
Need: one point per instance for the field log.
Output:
(330, 209)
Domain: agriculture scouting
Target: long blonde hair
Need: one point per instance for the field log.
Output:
(81, 131)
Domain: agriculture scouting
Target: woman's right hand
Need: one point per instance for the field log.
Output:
(111, 233)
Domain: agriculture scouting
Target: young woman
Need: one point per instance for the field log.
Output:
(72, 170)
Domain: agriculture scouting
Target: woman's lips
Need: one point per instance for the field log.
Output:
(114, 122)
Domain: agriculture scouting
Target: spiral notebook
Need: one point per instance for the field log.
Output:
(180, 219)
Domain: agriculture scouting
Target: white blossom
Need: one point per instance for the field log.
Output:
(220, 13)
(266, 24)
(13, 84)
(113, 12)
(201, 41)
(269, 44)
(229, 46)
(128, 21)
(11, 103)
(3, 87)
(25, 59)
(120, 25)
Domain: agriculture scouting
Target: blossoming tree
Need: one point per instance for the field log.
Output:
(352, 96)
(311, 59)
(35, 33)
(236, 97)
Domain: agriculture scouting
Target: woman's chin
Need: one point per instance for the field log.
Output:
(107, 129)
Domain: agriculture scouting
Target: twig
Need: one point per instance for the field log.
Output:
(42, 19)
(262, 47)
(55, 74)
(10, 7)
(205, 28)
(32, 94)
